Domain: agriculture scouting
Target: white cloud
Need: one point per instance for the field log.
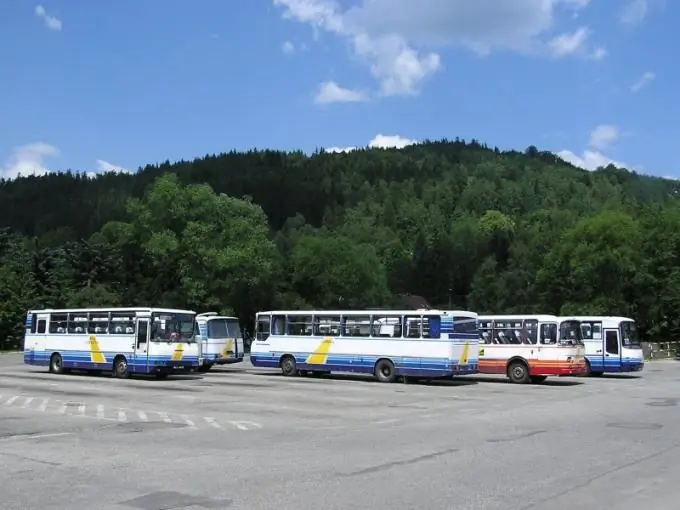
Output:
(105, 166)
(51, 22)
(288, 48)
(28, 160)
(589, 160)
(331, 92)
(380, 142)
(603, 136)
(643, 81)
(592, 158)
(634, 12)
(391, 36)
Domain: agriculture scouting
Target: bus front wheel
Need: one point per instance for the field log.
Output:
(288, 366)
(518, 372)
(384, 371)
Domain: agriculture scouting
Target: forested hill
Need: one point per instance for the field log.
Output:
(459, 223)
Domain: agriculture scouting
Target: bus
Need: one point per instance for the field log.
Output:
(529, 348)
(612, 344)
(123, 341)
(220, 340)
(384, 343)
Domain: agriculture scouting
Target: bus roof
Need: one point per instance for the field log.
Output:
(595, 318)
(214, 315)
(538, 317)
(352, 312)
(113, 309)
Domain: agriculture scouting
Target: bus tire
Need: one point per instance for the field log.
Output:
(538, 379)
(120, 368)
(288, 366)
(384, 371)
(518, 372)
(56, 364)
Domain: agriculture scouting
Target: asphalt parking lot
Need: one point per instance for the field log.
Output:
(243, 438)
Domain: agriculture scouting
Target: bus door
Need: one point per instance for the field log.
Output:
(38, 330)
(612, 350)
(141, 346)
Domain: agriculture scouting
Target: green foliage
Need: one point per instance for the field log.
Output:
(458, 223)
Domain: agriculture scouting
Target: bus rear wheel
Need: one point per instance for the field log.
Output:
(518, 372)
(56, 364)
(288, 366)
(384, 371)
(120, 368)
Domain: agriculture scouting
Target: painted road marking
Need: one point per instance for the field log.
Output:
(121, 415)
(212, 422)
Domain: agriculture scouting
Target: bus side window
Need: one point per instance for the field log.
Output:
(58, 323)
(431, 327)
(612, 341)
(413, 326)
(42, 326)
(262, 328)
(278, 326)
(531, 331)
(549, 334)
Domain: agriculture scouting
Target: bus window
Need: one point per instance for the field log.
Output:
(485, 332)
(99, 323)
(465, 325)
(326, 325)
(262, 328)
(357, 325)
(629, 335)
(431, 327)
(386, 327)
(413, 326)
(549, 333)
(58, 322)
(299, 325)
(531, 331)
(77, 323)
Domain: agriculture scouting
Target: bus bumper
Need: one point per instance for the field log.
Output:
(175, 367)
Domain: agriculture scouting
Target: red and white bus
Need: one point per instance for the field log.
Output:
(529, 348)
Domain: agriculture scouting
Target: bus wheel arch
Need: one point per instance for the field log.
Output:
(384, 370)
(120, 367)
(518, 370)
(288, 365)
(56, 363)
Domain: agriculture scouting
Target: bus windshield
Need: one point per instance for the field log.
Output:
(224, 328)
(172, 327)
(629, 334)
(570, 333)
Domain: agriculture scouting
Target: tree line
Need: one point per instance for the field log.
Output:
(461, 224)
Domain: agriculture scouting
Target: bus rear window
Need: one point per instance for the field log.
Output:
(224, 328)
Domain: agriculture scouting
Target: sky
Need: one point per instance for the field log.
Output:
(96, 86)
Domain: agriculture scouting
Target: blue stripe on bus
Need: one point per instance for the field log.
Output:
(366, 363)
(614, 364)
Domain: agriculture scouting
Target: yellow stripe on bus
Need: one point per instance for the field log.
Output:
(178, 352)
(228, 349)
(466, 354)
(96, 354)
(320, 355)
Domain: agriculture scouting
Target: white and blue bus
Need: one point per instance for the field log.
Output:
(383, 343)
(220, 340)
(612, 344)
(123, 341)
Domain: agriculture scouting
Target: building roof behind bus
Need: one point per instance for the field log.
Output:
(112, 309)
(352, 312)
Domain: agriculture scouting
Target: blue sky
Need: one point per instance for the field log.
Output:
(95, 85)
